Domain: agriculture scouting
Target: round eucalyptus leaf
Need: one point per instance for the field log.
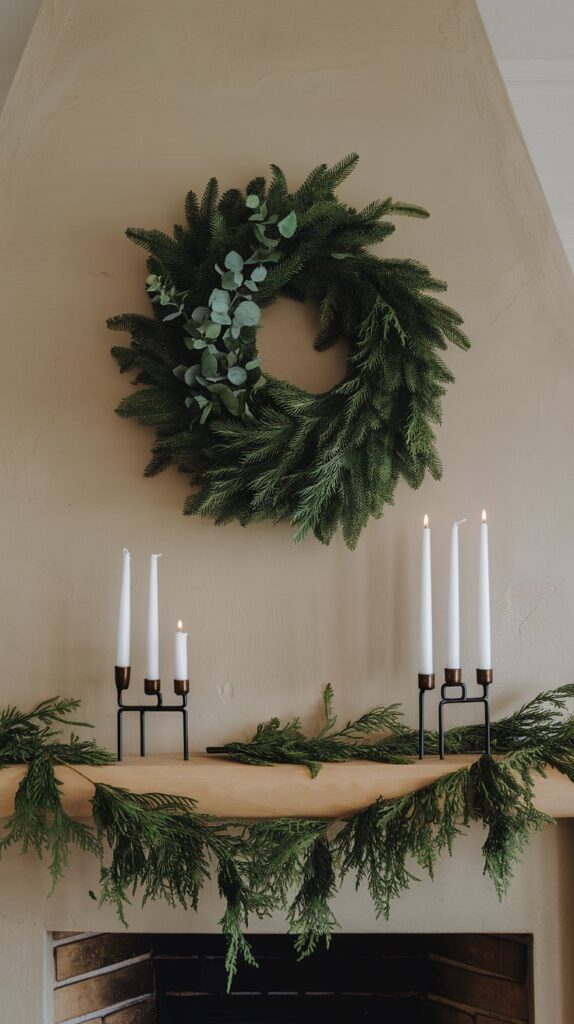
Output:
(247, 314)
(191, 374)
(199, 314)
(219, 300)
(227, 397)
(208, 364)
(237, 375)
(221, 318)
(228, 280)
(213, 330)
(233, 261)
(288, 226)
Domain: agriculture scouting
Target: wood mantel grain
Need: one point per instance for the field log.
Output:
(228, 789)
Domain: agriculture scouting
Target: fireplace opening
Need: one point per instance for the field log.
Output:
(399, 979)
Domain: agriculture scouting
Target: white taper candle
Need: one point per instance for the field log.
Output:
(180, 653)
(453, 634)
(152, 671)
(426, 658)
(484, 651)
(124, 617)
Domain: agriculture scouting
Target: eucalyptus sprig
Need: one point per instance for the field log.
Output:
(222, 335)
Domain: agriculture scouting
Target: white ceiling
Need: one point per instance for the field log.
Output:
(533, 41)
(520, 29)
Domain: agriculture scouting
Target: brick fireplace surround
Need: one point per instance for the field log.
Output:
(180, 979)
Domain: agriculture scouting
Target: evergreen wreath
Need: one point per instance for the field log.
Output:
(259, 448)
(162, 847)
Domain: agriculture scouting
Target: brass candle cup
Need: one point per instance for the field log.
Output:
(484, 676)
(426, 680)
(122, 676)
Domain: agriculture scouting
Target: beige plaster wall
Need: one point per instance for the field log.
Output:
(117, 109)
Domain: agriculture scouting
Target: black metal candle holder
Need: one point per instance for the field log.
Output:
(426, 683)
(152, 687)
(453, 681)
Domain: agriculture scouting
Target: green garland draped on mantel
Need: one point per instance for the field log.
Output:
(160, 845)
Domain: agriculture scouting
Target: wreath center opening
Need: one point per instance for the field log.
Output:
(285, 347)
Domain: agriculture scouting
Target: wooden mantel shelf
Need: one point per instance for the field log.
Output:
(228, 789)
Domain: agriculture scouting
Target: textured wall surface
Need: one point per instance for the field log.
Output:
(16, 20)
(116, 111)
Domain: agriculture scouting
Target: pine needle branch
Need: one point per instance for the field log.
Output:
(310, 916)
(162, 847)
(378, 843)
(380, 735)
(40, 823)
(295, 853)
(23, 734)
(501, 797)
(274, 743)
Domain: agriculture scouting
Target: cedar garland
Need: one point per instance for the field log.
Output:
(160, 847)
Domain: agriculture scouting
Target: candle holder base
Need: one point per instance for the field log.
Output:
(453, 681)
(152, 687)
